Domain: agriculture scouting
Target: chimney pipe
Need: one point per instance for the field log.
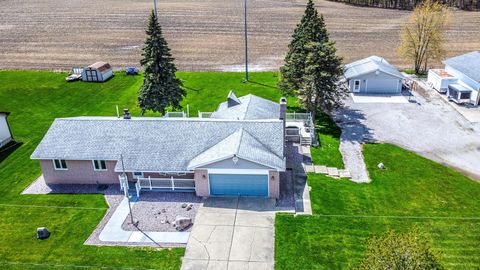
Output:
(126, 114)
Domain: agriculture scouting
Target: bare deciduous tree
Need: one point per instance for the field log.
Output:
(422, 34)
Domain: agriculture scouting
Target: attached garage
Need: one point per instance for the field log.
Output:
(238, 185)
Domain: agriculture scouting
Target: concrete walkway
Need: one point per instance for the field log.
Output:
(232, 233)
(352, 156)
(354, 134)
(113, 232)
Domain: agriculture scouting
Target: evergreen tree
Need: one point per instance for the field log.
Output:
(310, 29)
(161, 88)
(321, 88)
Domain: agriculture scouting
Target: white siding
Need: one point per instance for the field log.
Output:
(381, 83)
(470, 82)
(440, 84)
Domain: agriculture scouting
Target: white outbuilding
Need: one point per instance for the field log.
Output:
(5, 132)
(373, 75)
(98, 72)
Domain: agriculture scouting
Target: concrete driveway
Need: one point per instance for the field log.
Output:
(426, 125)
(232, 233)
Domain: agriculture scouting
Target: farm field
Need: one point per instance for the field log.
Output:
(203, 35)
(35, 99)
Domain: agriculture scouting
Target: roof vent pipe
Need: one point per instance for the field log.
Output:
(126, 114)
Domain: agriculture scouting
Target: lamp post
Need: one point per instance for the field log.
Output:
(246, 42)
(155, 8)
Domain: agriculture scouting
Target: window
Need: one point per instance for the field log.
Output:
(356, 85)
(465, 95)
(99, 165)
(137, 175)
(60, 164)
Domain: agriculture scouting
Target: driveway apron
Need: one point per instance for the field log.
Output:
(232, 233)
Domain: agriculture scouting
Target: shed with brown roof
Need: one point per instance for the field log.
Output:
(97, 72)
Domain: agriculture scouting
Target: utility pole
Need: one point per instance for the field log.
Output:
(155, 8)
(128, 193)
(246, 42)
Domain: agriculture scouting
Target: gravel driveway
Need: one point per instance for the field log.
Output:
(427, 125)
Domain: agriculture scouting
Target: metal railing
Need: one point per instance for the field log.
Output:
(204, 114)
(308, 124)
(299, 117)
(123, 184)
(166, 183)
(175, 115)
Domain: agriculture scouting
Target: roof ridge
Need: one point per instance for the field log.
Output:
(135, 119)
(262, 144)
(239, 140)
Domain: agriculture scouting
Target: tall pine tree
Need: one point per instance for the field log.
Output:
(322, 89)
(161, 88)
(310, 29)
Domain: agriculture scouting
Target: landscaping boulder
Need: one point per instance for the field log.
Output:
(189, 206)
(381, 166)
(42, 233)
(184, 205)
(182, 222)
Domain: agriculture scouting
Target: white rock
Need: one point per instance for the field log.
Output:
(381, 166)
(182, 222)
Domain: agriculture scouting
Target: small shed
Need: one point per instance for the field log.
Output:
(98, 72)
(5, 131)
(373, 75)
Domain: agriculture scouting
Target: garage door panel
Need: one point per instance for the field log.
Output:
(238, 185)
(382, 86)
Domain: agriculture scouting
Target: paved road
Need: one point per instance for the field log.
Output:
(232, 233)
(427, 125)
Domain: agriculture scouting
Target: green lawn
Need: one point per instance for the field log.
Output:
(412, 190)
(35, 99)
(327, 153)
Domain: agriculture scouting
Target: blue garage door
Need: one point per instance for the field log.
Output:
(239, 185)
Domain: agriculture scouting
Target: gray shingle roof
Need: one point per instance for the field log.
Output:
(152, 144)
(369, 65)
(250, 107)
(242, 145)
(468, 64)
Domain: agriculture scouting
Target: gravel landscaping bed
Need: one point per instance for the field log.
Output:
(156, 211)
(40, 187)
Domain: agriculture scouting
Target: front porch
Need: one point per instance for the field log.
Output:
(165, 184)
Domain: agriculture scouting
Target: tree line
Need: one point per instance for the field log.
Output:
(470, 5)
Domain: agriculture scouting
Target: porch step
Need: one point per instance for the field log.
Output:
(305, 140)
(309, 168)
(321, 169)
(344, 174)
(333, 172)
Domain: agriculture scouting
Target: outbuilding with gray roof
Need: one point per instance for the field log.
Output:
(373, 75)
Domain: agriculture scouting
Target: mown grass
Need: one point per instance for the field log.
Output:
(35, 99)
(327, 152)
(410, 191)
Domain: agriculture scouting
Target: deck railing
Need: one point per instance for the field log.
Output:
(175, 115)
(204, 114)
(174, 184)
(307, 120)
